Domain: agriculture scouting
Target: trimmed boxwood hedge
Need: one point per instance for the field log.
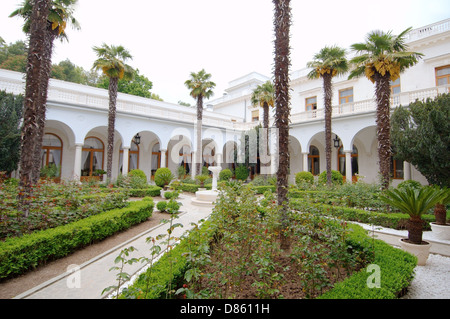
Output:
(396, 270)
(17, 255)
(396, 266)
(389, 220)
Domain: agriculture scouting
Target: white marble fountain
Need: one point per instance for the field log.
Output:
(208, 197)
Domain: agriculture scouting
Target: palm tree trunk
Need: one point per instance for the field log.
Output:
(383, 95)
(415, 229)
(113, 86)
(328, 90)
(282, 23)
(265, 136)
(198, 154)
(32, 97)
(441, 214)
(50, 36)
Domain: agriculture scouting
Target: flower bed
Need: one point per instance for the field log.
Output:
(19, 254)
(235, 254)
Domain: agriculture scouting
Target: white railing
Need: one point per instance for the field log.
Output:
(365, 106)
(429, 30)
(75, 94)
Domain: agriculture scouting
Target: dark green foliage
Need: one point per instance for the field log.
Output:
(336, 177)
(11, 112)
(225, 174)
(241, 173)
(421, 135)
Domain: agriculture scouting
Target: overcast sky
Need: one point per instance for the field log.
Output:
(169, 39)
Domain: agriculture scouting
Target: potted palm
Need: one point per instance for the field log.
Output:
(414, 202)
(441, 228)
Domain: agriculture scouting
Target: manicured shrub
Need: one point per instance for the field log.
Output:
(161, 206)
(168, 195)
(410, 183)
(241, 173)
(163, 176)
(304, 177)
(225, 174)
(336, 177)
(137, 173)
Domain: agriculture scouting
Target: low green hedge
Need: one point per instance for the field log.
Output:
(395, 265)
(150, 191)
(159, 277)
(389, 220)
(17, 255)
(190, 188)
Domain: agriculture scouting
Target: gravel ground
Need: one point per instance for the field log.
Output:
(431, 281)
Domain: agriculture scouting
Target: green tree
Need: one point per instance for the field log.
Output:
(111, 60)
(282, 24)
(11, 111)
(201, 87)
(67, 71)
(329, 62)
(421, 136)
(32, 104)
(58, 14)
(264, 96)
(139, 85)
(381, 59)
(13, 56)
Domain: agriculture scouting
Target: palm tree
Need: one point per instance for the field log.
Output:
(329, 62)
(282, 24)
(111, 60)
(381, 59)
(201, 87)
(60, 12)
(264, 96)
(38, 24)
(414, 202)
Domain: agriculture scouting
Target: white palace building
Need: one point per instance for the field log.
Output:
(77, 117)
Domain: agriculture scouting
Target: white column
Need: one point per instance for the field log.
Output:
(163, 158)
(77, 164)
(406, 171)
(125, 160)
(305, 162)
(348, 166)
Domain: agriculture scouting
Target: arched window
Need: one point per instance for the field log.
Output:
(186, 158)
(133, 158)
(51, 152)
(341, 161)
(314, 160)
(92, 158)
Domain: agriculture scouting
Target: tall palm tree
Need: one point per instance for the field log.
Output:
(60, 12)
(282, 24)
(111, 60)
(38, 25)
(264, 96)
(201, 87)
(329, 62)
(381, 59)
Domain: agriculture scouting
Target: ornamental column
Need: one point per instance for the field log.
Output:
(163, 158)
(125, 160)
(348, 166)
(305, 162)
(77, 164)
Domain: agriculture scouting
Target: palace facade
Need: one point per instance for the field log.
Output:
(152, 134)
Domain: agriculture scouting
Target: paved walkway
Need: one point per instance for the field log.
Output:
(87, 281)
